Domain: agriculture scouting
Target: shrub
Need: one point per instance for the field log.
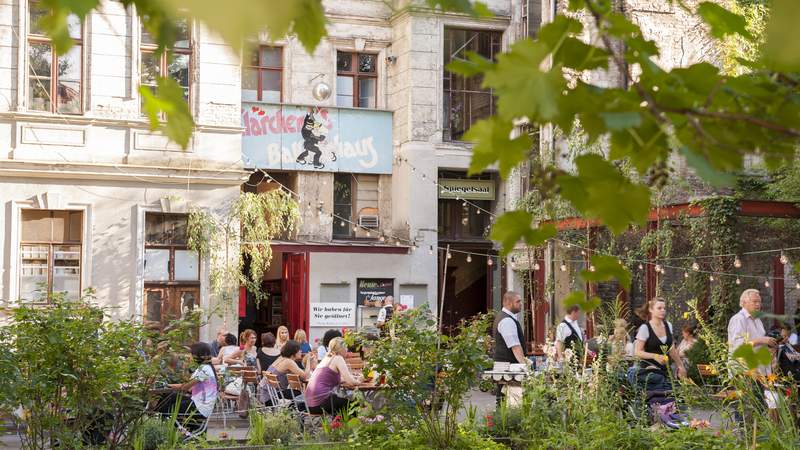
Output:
(271, 428)
(152, 433)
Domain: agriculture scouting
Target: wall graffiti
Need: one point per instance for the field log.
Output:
(290, 137)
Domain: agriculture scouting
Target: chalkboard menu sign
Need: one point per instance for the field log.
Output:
(372, 290)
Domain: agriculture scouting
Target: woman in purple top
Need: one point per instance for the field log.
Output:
(330, 372)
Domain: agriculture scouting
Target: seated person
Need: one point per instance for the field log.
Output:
(329, 374)
(203, 386)
(267, 353)
(322, 350)
(286, 364)
(787, 358)
(230, 353)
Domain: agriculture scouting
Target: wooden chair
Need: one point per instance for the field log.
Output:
(314, 419)
(276, 393)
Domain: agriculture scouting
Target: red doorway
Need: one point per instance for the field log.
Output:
(295, 291)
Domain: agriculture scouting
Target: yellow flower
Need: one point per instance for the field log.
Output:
(686, 315)
(712, 370)
(772, 378)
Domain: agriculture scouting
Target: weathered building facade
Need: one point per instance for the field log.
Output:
(90, 196)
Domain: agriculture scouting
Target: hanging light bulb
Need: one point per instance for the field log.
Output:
(449, 256)
(478, 211)
(369, 234)
(489, 261)
(341, 224)
(464, 204)
(592, 269)
(784, 258)
(685, 274)
(382, 238)
(738, 281)
(469, 258)
(583, 252)
(711, 278)
(658, 268)
(641, 266)
(766, 283)
(355, 227)
(695, 266)
(563, 267)
(535, 266)
(797, 285)
(397, 242)
(737, 263)
(465, 221)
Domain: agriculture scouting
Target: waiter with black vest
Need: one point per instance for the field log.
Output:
(508, 336)
(569, 334)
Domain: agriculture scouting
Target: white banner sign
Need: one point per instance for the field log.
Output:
(333, 315)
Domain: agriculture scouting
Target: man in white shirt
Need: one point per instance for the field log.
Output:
(743, 328)
(569, 333)
(509, 338)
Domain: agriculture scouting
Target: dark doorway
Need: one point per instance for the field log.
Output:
(467, 290)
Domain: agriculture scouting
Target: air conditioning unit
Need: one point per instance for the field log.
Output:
(368, 221)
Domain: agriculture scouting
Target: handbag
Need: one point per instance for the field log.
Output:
(234, 387)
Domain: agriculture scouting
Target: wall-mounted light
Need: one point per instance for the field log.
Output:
(391, 60)
(321, 91)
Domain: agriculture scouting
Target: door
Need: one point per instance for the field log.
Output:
(295, 299)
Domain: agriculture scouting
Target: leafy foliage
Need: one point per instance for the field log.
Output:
(240, 236)
(427, 370)
(65, 371)
(606, 268)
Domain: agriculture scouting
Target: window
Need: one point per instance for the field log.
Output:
(343, 205)
(50, 254)
(54, 81)
(356, 79)
(175, 63)
(171, 269)
(262, 79)
(465, 101)
(463, 221)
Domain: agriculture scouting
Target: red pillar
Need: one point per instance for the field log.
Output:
(650, 276)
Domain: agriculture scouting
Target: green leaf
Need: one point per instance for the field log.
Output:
(239, 20)
(706, 171)
(514, 226)
(523, 90)
(753, 358)
(475, 9)
(55, 22)
(621, 120)
(601, 192)
(723, 22)
(782, 49)
(493, 144)
(554, 33)
(473, 65)
(579, 298)
(576, 54)
(607, 268)
(168, 99)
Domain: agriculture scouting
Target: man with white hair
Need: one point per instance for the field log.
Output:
(743, 328)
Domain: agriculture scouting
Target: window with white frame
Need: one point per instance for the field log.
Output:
(50, 254)
(54, 80)
(171, 269)
(174, 63)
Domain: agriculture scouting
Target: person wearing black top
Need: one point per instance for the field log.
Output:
(654, 347)
(508, 336)
(569, 334)
(267, 354)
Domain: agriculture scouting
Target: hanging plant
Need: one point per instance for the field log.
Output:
(242, 235)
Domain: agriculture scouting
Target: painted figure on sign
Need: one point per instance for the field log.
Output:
(311, 139)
